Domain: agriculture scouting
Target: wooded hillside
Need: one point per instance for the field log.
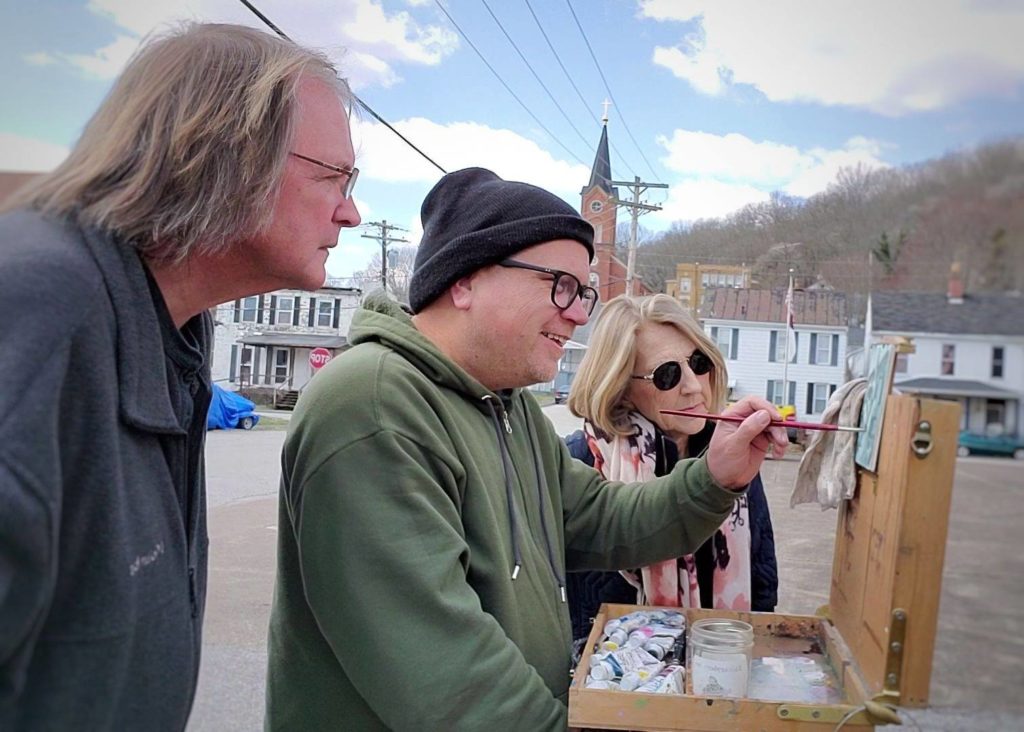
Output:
(910, 222)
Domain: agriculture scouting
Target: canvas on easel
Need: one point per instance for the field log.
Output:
(881, 366)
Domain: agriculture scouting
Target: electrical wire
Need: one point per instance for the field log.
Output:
(579, 94)
(608, 89)
(270, 24)
(537, 77)
(507, 87)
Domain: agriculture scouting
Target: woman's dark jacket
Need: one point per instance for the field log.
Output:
(587, 590)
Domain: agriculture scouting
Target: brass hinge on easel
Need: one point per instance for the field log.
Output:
(894, 656)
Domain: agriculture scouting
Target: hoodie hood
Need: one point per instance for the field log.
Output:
(382, 320)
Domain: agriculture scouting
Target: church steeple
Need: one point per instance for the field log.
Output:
(601, 172)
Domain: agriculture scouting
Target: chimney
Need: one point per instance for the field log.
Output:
(955, 293)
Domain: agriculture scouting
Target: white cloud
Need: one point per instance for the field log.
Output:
(19, 153)
(385, 157)
(106, 62)
(706, 198)
(40, 58)
(719, 174)
(361, 37)
(893, 58)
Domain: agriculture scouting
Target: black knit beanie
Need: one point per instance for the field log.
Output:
(473, 218)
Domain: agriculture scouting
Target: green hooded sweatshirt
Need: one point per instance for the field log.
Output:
(426, 524)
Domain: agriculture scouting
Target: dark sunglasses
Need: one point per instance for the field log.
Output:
(669, 374)
(565, 288)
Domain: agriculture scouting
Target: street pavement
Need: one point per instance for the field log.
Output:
(978, 669)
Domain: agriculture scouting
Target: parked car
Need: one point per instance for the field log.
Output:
(971, 443)
(561, 394)
(229, 409)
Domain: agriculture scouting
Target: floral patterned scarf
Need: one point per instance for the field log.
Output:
(674, 582)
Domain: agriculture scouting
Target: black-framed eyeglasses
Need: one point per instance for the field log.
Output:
(564, 289)
(351, 174)
(669, 374)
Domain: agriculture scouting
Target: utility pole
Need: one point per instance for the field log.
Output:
(385, 228)
(636, 186)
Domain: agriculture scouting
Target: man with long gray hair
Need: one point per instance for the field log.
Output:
(220, 165)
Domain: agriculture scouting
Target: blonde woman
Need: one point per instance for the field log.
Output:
(646, 355)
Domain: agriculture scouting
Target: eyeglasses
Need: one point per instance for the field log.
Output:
(669, 374)
(351, 174)
(565, 288)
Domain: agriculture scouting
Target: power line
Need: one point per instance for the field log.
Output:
(608, 89)
(537, 77)
(579, 94)
(270, 24)
(507, 87)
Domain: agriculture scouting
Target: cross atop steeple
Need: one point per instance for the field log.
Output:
(605, 104)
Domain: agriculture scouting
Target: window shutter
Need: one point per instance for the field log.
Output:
(831, 389)
(714, 333)
(735, 343)
(234, 362)
(296, 310)
(792, 394)
(312, 312)
(773, 346)
(814, 350)
(835, 349)
(769, 390)
(259, 309)
(810, 398)
(337, 313)
(238, 310)
(273, 309)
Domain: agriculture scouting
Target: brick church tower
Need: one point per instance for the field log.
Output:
(598, 207)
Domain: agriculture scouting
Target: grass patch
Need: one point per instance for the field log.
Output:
(271, 423)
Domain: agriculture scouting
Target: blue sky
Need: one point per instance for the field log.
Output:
(727, 100)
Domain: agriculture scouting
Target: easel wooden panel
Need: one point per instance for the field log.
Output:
(890, 548)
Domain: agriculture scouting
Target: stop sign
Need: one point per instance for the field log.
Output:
(319, 357)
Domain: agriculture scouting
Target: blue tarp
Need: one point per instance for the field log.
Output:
(229, 409)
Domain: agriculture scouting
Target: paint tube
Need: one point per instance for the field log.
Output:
(593, 683)
(646, 633)
(670, 676)
(633, 679)
(606, 668)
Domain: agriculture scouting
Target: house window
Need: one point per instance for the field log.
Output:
(997, 362)
(774, 392)
(250, 306)
(324, 312)
(817, 397)
(727, 340)
(777, 346)
(685, 284)
(705, 280)
(948, 359)
(285, 310)
(823, 350)
(245, 366)
(902, 363)
(280, 365)
(995, 416)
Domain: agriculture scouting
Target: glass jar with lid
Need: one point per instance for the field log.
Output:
(719, 655)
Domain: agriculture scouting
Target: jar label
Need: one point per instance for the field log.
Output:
(720, 674)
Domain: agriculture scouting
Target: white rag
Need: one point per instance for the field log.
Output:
(827, 473)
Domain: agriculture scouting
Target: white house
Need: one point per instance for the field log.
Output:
(968, 348)
(264, 342)
(749, 327)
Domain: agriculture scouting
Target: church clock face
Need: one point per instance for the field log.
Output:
(596, 206)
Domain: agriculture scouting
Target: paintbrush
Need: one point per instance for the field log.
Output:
(773, 423)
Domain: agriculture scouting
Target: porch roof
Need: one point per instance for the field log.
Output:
(295, 340)
(955, 387)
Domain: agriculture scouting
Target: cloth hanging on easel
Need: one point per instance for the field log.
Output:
(827, 473)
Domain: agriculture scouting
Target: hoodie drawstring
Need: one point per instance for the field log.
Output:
(542, 492)
(505, 469)
(542, 487)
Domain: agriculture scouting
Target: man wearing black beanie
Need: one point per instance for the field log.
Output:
(429, 511)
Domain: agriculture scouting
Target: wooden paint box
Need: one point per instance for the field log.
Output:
(878, 631)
